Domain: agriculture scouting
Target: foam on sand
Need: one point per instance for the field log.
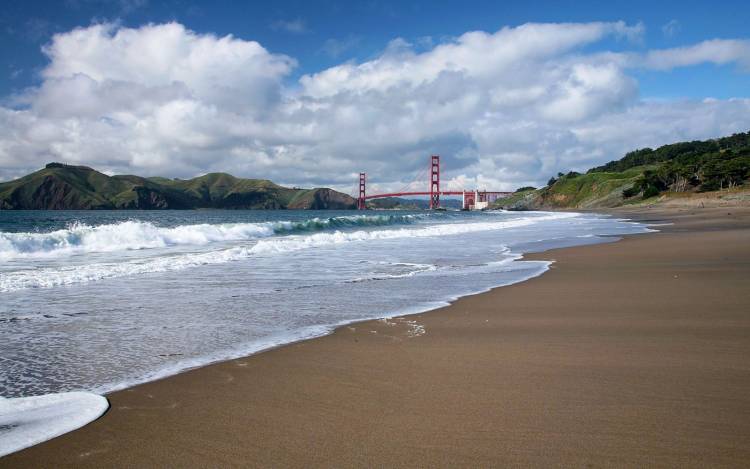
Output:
(27, 421)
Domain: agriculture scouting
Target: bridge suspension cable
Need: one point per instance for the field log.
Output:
(471, 198)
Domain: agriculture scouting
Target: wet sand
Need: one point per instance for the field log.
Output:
(634, 353)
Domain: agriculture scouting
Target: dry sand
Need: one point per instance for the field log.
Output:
(634, 353)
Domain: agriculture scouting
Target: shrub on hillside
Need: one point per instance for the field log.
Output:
(650, 191)
(630, 192)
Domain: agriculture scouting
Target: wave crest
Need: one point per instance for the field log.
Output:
(136, 235)
(54, 276)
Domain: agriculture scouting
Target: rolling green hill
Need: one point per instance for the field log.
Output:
(60, 186)
(697, 166)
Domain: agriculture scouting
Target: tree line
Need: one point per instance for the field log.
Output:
(686, 166)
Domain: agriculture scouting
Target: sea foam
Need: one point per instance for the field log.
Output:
(136, 235)
(26, 421)
(68, 275)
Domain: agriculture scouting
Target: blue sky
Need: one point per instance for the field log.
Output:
(324, 33)
(311, 93)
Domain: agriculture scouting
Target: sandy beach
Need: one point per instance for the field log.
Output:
(632, 353)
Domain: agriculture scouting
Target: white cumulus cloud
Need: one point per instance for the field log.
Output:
(717, 51)
(504, 109)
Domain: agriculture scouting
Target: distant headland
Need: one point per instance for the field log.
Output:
(65, 187)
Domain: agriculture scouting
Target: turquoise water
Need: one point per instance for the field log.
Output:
(98, 301)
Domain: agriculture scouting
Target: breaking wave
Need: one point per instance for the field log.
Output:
(68, 275)
(135, 235)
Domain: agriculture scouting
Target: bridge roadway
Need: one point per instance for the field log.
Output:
(442, 193)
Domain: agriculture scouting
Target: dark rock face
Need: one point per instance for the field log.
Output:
(53, 194)
(323, 199)
(327, 199)
(249, 200)
(147, 199)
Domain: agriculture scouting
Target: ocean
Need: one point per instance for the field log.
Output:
(102, 300)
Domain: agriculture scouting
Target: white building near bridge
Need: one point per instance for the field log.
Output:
(473, 200)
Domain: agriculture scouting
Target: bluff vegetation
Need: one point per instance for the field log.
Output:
(641, 175)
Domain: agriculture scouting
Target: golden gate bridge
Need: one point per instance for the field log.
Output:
(471, 199)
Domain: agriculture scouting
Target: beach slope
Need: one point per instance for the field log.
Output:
(634, 353)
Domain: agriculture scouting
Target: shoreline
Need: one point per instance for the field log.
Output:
(282, 339)
(392, 332)
(331, 329)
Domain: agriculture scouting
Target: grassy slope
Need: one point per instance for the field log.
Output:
(58, 186)
(519, 200)
(224, 190)
(594, 190)
(602, 189)
(71, 186)
(603, 186)
(582, 191)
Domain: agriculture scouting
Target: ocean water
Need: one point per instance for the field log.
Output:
(98, 301)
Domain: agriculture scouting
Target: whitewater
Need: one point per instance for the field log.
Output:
(92, 302)
(131, 235)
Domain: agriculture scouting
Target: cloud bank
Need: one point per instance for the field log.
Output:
(504, 109)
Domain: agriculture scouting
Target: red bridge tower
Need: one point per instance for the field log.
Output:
(435, 182)
(361, 199)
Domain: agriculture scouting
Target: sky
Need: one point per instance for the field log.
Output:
(311, 93)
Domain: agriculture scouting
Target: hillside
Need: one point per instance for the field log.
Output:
(643, 175)
(399, 203)
(65, 187)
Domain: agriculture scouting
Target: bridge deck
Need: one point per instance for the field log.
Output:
(442, 193)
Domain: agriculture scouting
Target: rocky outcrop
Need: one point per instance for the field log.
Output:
(328, 199)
